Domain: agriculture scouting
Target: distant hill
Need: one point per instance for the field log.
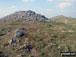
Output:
(28, 15)
(62, 18)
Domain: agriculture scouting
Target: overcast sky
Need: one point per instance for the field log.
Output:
(48, 8)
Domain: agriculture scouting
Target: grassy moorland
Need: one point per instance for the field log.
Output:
(47, 39)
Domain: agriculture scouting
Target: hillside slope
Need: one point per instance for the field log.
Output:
(46, 39)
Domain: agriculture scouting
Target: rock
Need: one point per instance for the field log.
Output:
(27, 15)
(13, 40)
(59, 47)
(19, 34)
(28, 48)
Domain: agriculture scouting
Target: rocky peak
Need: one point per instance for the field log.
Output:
(28, 15)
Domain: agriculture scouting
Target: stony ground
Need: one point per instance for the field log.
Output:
(46, 39)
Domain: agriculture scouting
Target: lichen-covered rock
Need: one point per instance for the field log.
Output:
(18, 34)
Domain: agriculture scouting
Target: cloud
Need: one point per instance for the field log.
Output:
(70, 0)
(63, 5)
(28, 0)
(50, 0)
(14, 7)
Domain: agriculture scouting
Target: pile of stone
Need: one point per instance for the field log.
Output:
(17, 34)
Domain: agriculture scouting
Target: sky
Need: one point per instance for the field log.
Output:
(49, 8)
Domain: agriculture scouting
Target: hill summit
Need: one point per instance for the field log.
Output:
(27, 15)
(61, 17)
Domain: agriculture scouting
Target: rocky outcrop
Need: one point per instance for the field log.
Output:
(17, 34)
(27, 15)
